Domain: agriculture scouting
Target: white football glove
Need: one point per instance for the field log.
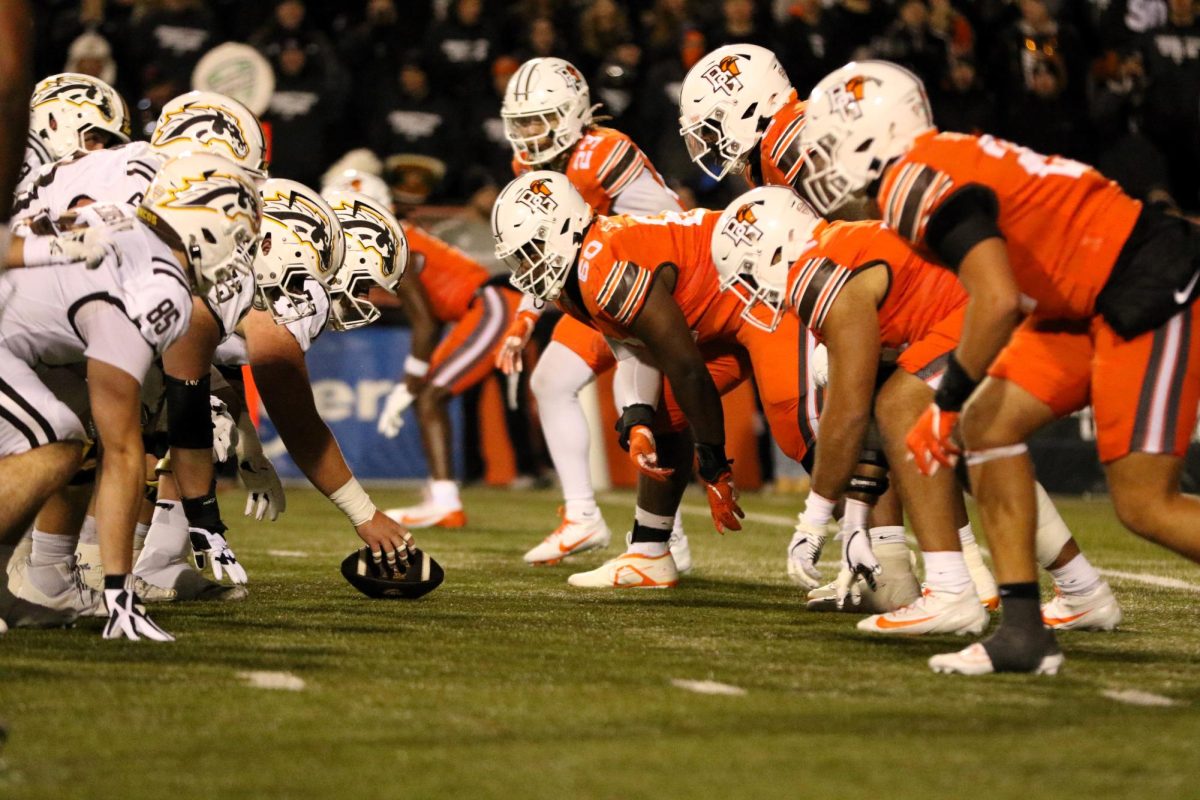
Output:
(209, 546)
(391, 417)
(225, 432)
(818, 365)
(858, 562)
(266, 496)
(804, 552)
(88, 245)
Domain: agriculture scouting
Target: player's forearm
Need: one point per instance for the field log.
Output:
(699, 400)
(843, 427)
(994, 308)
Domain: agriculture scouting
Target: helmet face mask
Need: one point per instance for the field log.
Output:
(711, 150)
(376, 255)
(538, 222)
(302, 244)
(71, 113)
(545, 110)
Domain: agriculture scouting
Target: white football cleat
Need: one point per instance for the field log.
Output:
(974, 660)
(429, 515)
(630, 571)
(680, 549)
(162, 578)
(58, 586)
(895, 587)
(87, 558)
(935, 611)
(981, 576)
(1096, 610)
(569, 538)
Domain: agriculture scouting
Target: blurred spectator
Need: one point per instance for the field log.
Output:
(1122, 20)
(1039, 118)
(413, 178)
(488, 146)
(461, 49)
(92, 55)
(410, 117)
(663, 25)
(543, 40)
(602, 26)
(289, 21)
(802, 48)
(616, 84)
(952, 26)
(304, 102)
(372, 48)
(911, 42)
(471, 231)
(738, 25)
(1171, 111)
(850, 25)
(168, 40)
(660, 103)
(964, 105)
(519, 16)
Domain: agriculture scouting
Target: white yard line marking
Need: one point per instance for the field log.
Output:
(1135, 697)
(287, 553)
(708, 687)
(1151, 580)
(265, 679)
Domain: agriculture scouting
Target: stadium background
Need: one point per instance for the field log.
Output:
(418, 85)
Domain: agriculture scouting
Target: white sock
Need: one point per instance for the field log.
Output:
(1052, 533)
(87, 531)
(578, 510)
(966, 536)
(168, 531)
(652, 549)
(888, 534)
(556, 382)
(947, 570)
(51, 548)
(1077, 576)
(139, 535)
(444, 493)
(658, 522)
(677, 524)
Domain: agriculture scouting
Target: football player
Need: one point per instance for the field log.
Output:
(15, 61)
(670, 315)
(1106, 289)
(196, 227)
(551, 123)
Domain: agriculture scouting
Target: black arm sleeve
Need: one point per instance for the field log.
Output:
(963, 220)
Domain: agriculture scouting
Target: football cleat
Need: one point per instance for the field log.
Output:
(127, 618)
(161, 578)
(935, 611)
(569, 538)
(981, 576)
(58, 586)
(87, 559)
(18, 613)
(680, 549)
(974, 660)
(895, 587)
(428, 515)
(1096, 610)
(630, 571)
(378, 576)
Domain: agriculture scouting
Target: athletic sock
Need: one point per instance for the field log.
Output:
(87, 531)
(444, 493)
(51, 548)
(966, 536)
(888, 534)
(651, 532)
(1077, 576)
(677, 523)
(582, 510)
(947, 570)
(1022, 639)
(168, 531)
(139, 535)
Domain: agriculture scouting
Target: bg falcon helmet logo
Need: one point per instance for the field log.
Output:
(539, 197)
(724, 75)
(846, 98)
(742, 227)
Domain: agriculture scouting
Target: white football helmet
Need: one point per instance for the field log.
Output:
(208, 207)
(301, 238)
(546, 107)
(209, 121)
(538, 222)
(355, 180)
(725, 103)
(756, 241)
(858, 119)
(376, 253)
(65, 107)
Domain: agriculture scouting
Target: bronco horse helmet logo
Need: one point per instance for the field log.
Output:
(205, 125)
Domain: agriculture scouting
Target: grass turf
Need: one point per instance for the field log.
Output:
(507, 683)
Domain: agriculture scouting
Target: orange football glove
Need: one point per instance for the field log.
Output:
(722, 502)
(644, 454)
(929, 442)
(508, 357)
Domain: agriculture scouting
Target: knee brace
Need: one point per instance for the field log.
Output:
(189, 418)
(873, 486)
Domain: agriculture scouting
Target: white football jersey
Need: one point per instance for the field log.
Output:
(232, 351)
(36, 157)
(118, 175)
(142, 279)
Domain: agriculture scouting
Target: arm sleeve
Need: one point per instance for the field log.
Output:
(635, 382)
(645, 195)
(963, 220)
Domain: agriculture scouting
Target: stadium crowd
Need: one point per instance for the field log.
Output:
(1111, 82)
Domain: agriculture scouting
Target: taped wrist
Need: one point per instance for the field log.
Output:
(189, 419)
(956, 386)
(203, 512)
(711, 461)
(632, 416)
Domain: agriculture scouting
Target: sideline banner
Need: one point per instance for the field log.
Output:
(352, 373)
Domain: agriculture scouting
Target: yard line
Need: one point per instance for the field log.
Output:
(1135, 697)
(287, 553)
(708, 687)
(266, 679)
(1151, 580)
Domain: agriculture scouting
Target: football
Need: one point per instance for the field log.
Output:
(421, 577)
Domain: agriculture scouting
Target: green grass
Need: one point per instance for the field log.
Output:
(507, 683)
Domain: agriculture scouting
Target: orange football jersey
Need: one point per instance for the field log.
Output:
(620, 257)
(779, 151)
(450, 276)
(602, 164)
(919, 296)
(1064, 223)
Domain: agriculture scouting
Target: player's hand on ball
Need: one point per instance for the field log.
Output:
(387, 538)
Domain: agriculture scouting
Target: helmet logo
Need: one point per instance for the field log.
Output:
(223, 194)
(539, 197)
(723, 76)
(77, 93)
(371, 234)
(846, 98)
(742, 227)
(204, 125)
(571, 77)
(305, 219)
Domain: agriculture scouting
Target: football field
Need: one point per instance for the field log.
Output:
(507, 683)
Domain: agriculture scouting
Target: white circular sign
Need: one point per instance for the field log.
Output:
(238, 71)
